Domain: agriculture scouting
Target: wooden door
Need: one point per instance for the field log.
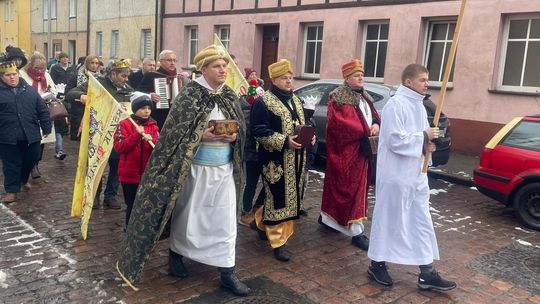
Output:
(269, 51)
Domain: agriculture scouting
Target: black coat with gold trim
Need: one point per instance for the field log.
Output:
(272, 122)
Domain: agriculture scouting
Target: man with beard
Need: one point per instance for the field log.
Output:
(192, 177)
(170, 80)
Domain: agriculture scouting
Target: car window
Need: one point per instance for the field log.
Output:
(525, 134)
(376, 97)
(317, 93)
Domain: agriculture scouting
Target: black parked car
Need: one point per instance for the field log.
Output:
(319, 91)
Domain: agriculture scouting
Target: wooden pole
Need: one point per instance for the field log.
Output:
(449, 64)
(136, 125)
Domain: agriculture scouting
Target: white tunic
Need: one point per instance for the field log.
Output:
(203, 226)
(402, 230)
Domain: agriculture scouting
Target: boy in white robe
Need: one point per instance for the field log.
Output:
(402, 230)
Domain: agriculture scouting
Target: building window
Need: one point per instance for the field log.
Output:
(46, 9)
(146, 43)
(521, 55)
(114, 43)
(374, 50)
(224, 34)
(6, 12)
(12, 12)
(99, 43)
(313, 38)
(439, 41)
(72, 51)
(193, 42)
(72, 8)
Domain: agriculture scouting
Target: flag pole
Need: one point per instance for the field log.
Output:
(448, 69)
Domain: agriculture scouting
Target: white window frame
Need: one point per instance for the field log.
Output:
(115, 42)
(192, 40)
(46, 9)
(99, 43)
(6, 10)
(12, 11)
(225, 40)
(427, 48)
(504, 46)
(378, 40)
(146, 48)
(305, 42)
(72, 8)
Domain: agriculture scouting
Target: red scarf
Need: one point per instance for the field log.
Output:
(38, 76)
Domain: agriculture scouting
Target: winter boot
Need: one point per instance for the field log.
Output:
(230, 282)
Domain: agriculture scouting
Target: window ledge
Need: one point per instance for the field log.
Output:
(438, 87)
(507, 92)
(306, 77)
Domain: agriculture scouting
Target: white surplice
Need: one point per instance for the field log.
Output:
(402, 230)
(203, 226)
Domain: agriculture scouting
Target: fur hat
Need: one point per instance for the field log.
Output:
(15, 52)
(139, 100)
(282, 67)
(209, 54)
(352, 67)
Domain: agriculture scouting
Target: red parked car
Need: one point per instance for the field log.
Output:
(509, 169)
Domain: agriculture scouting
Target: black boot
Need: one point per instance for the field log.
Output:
(281, 255)
(378, 272)
(361, 241)
(230, 281)
(176, 266)
(326, 226)
(262, 234)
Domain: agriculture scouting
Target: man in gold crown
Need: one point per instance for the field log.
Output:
(116, 83)
(193, 177)
(22, 114)
(274, 116)
(351, 119)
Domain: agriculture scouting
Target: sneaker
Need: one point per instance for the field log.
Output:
(111, 203)
(246, 219)
(435, 282)
(60, 155)
(379, 274)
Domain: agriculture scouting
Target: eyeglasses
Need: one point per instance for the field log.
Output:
(170, 60)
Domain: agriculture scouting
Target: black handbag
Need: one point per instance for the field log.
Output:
(57, 110)
(369, 145)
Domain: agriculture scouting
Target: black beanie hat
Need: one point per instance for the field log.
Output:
(139, 100)
(15, 52)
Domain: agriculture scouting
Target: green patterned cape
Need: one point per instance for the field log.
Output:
(168, 167)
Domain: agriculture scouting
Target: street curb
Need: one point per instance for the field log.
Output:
(458, 180)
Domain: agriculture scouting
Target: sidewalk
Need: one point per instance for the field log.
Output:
(458, 170)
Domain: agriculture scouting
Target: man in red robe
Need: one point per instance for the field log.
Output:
(351, 119)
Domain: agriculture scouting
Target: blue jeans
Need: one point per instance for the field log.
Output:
(112, 180)
(58, 143)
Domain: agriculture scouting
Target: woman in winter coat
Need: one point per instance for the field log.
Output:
(22, 114)
(132, 143)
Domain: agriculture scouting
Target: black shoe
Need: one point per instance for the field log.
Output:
(361, 241)
(60, 155)
(435, 282)
(176, 266)
(262, 234)
(281, 255)
(326, 226)
(379, 273)
(230, 282)
(302, 212)
(35, 172)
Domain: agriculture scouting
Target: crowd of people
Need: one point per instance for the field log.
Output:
(213, 147)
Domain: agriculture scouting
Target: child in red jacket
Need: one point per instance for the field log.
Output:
(131, 142)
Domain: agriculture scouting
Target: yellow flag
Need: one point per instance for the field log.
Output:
(235, 79)
(101, 116)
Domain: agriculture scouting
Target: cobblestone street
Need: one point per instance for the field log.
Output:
(44, 260)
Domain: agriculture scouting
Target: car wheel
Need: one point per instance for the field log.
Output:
(527, 205)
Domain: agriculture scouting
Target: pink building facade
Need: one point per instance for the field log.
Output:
(496, 68)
